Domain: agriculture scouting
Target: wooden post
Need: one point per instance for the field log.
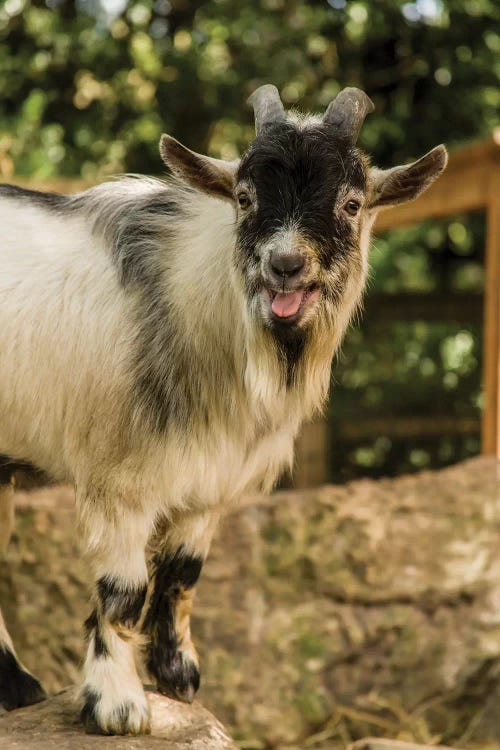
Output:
(310, 469)
(490, 437)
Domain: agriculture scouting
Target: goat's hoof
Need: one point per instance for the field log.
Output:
(100, 716)
(18, 688)
(179, 678)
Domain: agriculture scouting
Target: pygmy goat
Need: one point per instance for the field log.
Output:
(161, 343)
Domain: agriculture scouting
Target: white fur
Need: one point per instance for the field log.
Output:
(114, 678)
(62, 338)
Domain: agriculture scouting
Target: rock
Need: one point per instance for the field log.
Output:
(375, 743)
(326, 614)
(54, 725)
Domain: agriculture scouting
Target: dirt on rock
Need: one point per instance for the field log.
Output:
(322, 615)
(54, 725)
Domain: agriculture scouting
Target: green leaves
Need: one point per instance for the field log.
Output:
(190, 67)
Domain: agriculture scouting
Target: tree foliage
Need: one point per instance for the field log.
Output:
(88, 86)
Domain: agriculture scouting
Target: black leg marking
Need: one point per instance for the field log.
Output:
(113, 698)
(17, 687)
(92, 626)
(120, 604)
(88, 716)
(176, 674)
(174, 571)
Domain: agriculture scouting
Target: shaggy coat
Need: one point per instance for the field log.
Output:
(161, 343)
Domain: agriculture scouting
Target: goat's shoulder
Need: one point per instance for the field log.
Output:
(135, 216)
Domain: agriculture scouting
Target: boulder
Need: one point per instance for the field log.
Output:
(322, 616)
(54, 725)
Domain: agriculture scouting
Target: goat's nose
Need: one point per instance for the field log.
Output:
(287, 264)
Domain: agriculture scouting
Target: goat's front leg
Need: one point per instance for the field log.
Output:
(114, 701)
(178, 556)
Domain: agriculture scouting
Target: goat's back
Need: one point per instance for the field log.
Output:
(65, 329)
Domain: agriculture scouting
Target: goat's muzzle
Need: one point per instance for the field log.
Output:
(288, 307)
(289, 289)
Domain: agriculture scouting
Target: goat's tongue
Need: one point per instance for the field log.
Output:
(286, 305)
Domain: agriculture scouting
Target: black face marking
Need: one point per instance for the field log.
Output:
(119, 604)
(297, 175)
(176, 676)
(92, 626)
(17, 687)
(52, 201)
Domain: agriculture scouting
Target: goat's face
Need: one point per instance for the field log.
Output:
(300, 196)
(305, 200)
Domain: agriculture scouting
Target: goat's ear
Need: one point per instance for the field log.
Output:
(401, 184)
(213, 176)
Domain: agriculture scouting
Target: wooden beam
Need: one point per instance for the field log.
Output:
(437, 307)
(463, 187)
(411, 428)
(490, 434)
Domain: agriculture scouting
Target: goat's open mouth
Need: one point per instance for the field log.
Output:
(287, 307)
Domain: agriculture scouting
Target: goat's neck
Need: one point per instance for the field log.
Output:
(238, 357)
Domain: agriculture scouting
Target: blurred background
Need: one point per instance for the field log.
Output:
(87, 87)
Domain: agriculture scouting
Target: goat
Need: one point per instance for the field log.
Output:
(161, 344)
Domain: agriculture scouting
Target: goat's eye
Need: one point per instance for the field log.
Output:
(352, 207)
(243, 200)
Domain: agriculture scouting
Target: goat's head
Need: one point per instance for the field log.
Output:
(305, 200)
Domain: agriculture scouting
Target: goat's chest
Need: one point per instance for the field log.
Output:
(219, 468)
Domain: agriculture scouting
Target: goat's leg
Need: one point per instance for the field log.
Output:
(113, 696)
(17, 686)
(178, 557)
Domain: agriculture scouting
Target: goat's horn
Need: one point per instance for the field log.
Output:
(347, 112)
(267, 106)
